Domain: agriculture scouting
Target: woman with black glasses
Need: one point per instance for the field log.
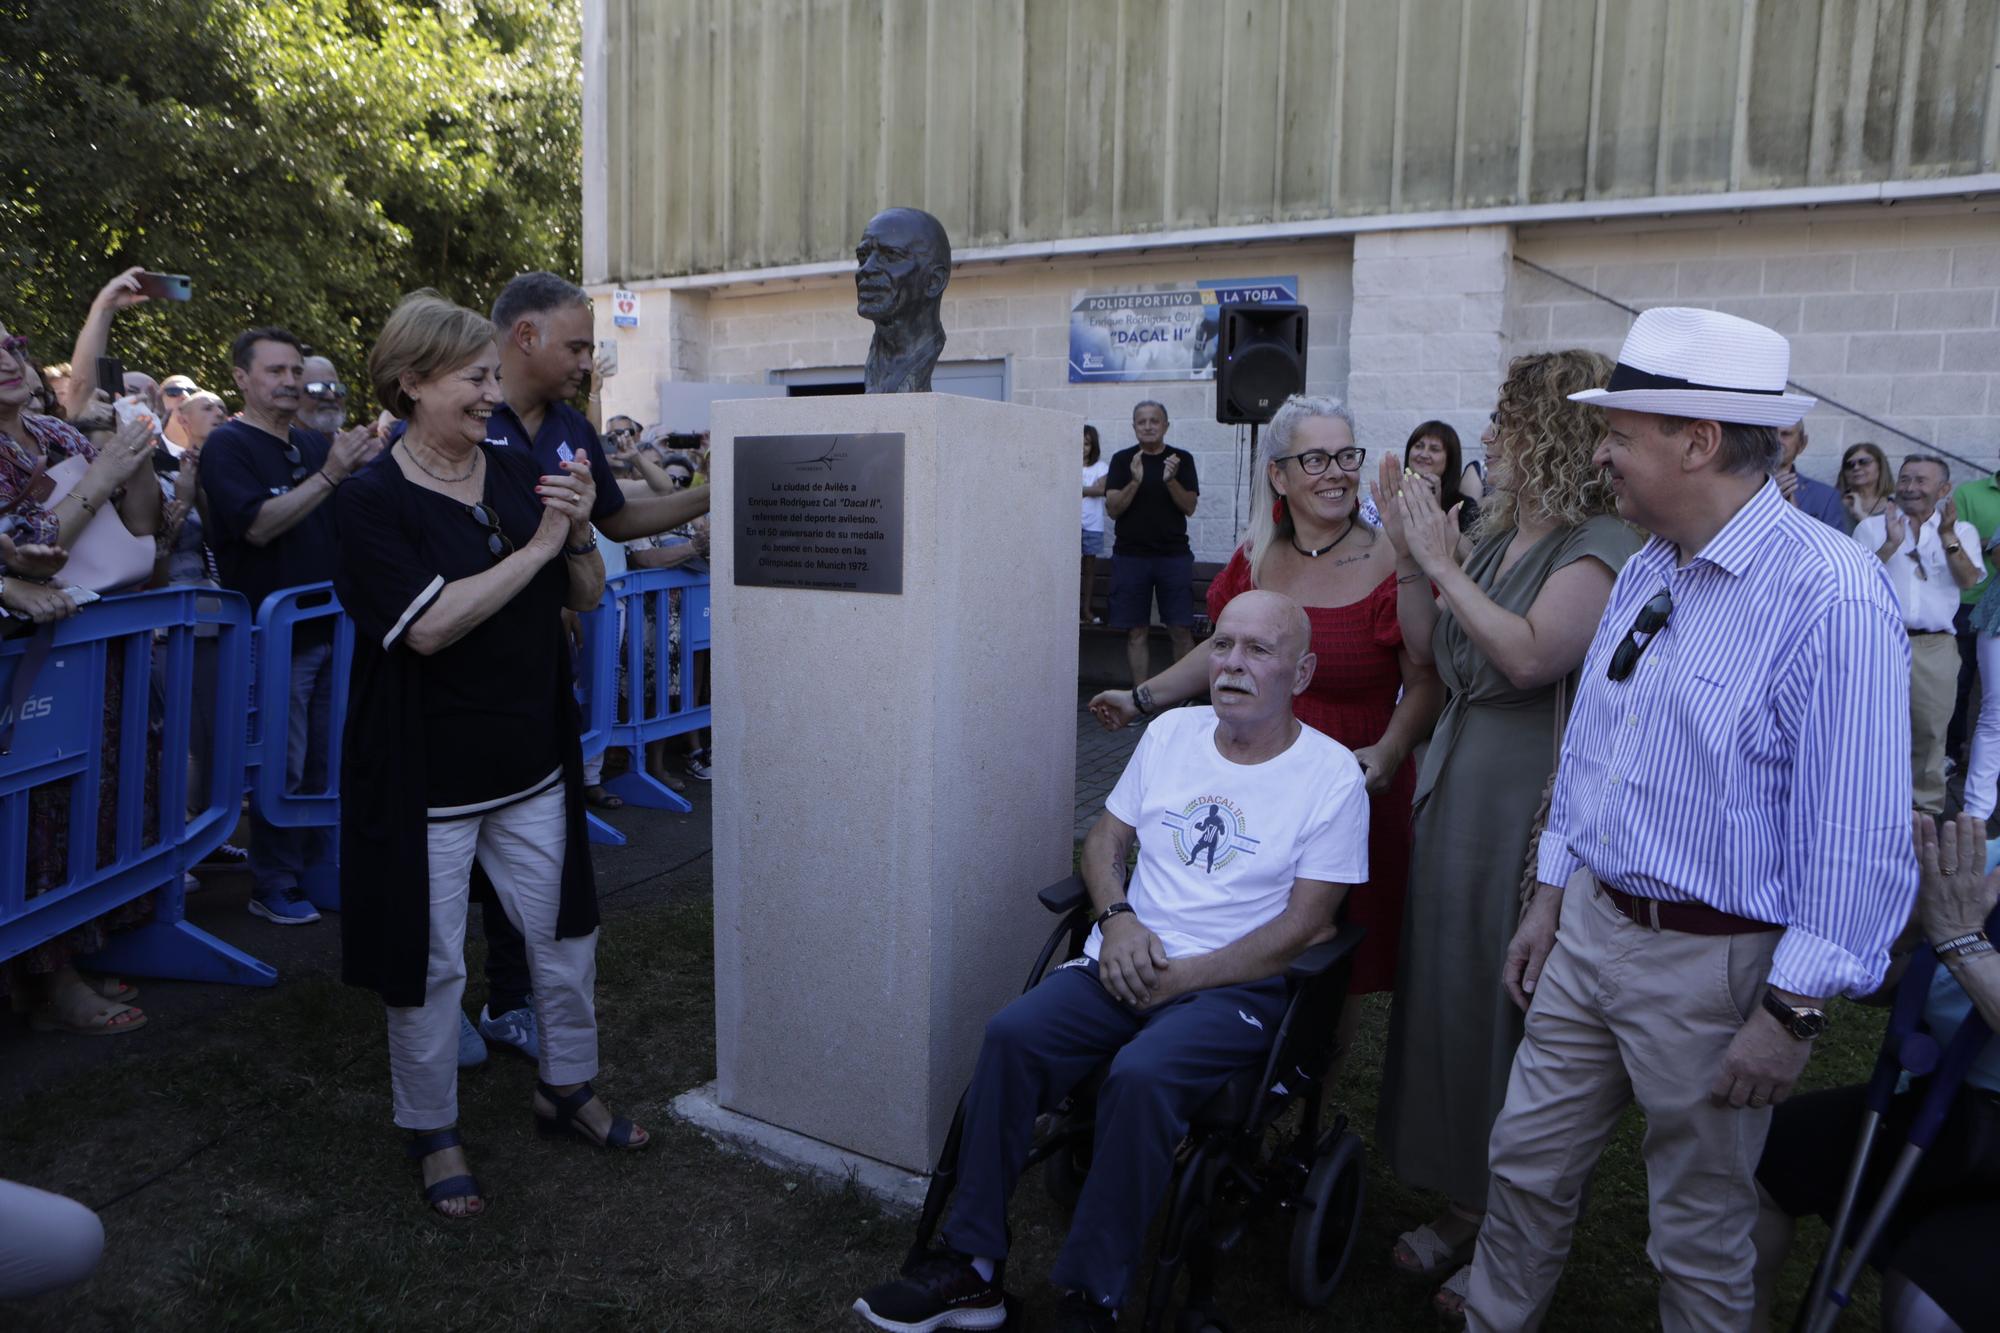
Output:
(456, 560)
(1506, 629)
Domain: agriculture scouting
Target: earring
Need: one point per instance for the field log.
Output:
(1278, 510)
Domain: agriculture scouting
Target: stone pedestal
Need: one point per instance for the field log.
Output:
(895, 775)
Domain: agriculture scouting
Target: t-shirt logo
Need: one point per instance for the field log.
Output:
(1209, 833)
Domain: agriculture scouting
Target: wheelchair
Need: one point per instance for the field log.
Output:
(1226, 1179)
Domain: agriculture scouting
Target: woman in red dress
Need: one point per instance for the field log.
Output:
(1307, 540)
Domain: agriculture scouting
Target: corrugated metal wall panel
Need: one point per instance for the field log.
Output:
(746, 133)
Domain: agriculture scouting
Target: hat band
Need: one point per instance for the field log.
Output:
(1624, 377)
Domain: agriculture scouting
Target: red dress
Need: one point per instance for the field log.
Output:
(1351, 697)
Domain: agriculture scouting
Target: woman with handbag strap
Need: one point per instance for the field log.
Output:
(1505, 631)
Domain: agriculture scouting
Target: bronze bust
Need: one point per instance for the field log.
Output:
(904, 262)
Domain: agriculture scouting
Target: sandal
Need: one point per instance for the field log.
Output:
(1433, 1254)
(564, 1121)
(1449, 1302)
(601, 799)
(102, 1022)
(451, 1187)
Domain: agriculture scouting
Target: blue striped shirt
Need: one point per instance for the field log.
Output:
(1757, 760)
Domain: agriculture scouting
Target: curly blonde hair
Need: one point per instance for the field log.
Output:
(1543, 443)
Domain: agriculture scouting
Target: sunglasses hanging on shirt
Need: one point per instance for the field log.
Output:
(497, 544)
(1652, 618)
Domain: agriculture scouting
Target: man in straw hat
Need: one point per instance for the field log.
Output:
(1726, 846)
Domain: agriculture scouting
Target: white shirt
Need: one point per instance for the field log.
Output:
(1093, 505)
(1924, 586)
(1220, 843)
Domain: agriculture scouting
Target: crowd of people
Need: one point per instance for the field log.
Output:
(1590, 739)
(1611, 722)
(464, 526)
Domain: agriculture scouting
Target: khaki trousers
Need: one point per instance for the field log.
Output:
(1626, 1013)
(1933, 694)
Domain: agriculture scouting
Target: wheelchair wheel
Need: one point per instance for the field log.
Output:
(1329, 1218)
(1063, 1173)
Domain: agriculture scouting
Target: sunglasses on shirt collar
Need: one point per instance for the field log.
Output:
(298, 461)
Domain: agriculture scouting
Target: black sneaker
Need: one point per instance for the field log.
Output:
(944, 1291)
(1077, 1313)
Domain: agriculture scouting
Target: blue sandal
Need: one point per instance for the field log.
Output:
(564, 1121)
(451, 1187)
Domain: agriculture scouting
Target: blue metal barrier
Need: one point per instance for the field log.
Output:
(278, 620)
(648, 712)
(60, 738)
(597, 694)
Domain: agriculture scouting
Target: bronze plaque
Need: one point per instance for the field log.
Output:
(820, 511)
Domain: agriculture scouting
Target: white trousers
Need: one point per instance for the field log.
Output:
(520, 847)
(1982, 773)
(46, 1241)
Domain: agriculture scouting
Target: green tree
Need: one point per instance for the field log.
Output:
(306, 162)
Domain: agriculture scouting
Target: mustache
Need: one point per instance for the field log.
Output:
(1234, 680)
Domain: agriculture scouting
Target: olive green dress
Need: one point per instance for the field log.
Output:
(1452, 1030)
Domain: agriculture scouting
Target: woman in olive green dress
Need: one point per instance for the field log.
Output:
(1505, 631)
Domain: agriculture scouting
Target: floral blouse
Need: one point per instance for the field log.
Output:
(24, 518)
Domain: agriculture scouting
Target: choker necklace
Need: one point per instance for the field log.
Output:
(411, 454)
(1317, 553)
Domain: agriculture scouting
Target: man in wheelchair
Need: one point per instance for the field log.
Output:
(1253, 827)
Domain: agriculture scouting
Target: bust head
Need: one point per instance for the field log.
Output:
(903, 263)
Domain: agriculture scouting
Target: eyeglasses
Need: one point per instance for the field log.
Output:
(497, 544)
(1313, 461)
(679, 478)
(1652, 618)
(175, 391)
(622, 432)
(298, 462)
(1857, 462)
(325, 389)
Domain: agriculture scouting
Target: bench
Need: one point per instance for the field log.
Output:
(1100, 656)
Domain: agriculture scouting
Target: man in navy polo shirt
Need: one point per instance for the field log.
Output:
(267, 481)
(543, 323)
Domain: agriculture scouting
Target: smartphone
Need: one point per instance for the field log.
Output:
(166, 286)
(607, 357)
(111, 376)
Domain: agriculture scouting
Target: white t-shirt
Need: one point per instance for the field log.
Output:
(1220, 843)
(1093, 507)
(1920, 570)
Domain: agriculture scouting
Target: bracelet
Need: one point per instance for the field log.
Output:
(83, 503)
(1964, 946)
(1142, 699)
(584, 549)
(1111, 911)
(1409, 578)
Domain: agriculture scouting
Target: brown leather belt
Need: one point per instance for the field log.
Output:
(1687, 918)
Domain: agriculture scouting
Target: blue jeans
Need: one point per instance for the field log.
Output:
(1164, 1064)
(279, 856)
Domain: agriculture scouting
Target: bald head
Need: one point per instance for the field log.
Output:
(1260, 656)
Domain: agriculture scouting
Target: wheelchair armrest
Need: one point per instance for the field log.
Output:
(1321, 958)
(1065, 895)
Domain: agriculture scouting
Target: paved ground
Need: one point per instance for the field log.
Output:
(1100, 758)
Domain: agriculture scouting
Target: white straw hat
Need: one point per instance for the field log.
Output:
(1704, 365)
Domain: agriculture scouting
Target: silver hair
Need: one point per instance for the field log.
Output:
(1266, 531)
(1152, 402)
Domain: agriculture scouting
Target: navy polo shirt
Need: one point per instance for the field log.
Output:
(242, 466)
(561, 425)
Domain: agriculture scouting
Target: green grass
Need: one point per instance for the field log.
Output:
(251, 1180)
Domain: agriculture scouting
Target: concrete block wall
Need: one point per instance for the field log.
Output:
(1020, 313)
(1895, 314)
(1429, 339)
(671, 343)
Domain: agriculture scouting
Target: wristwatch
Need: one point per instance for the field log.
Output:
(1802, 1021)
(585, 549)
(1111, 911)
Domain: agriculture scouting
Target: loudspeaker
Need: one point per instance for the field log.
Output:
(1260, 360)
